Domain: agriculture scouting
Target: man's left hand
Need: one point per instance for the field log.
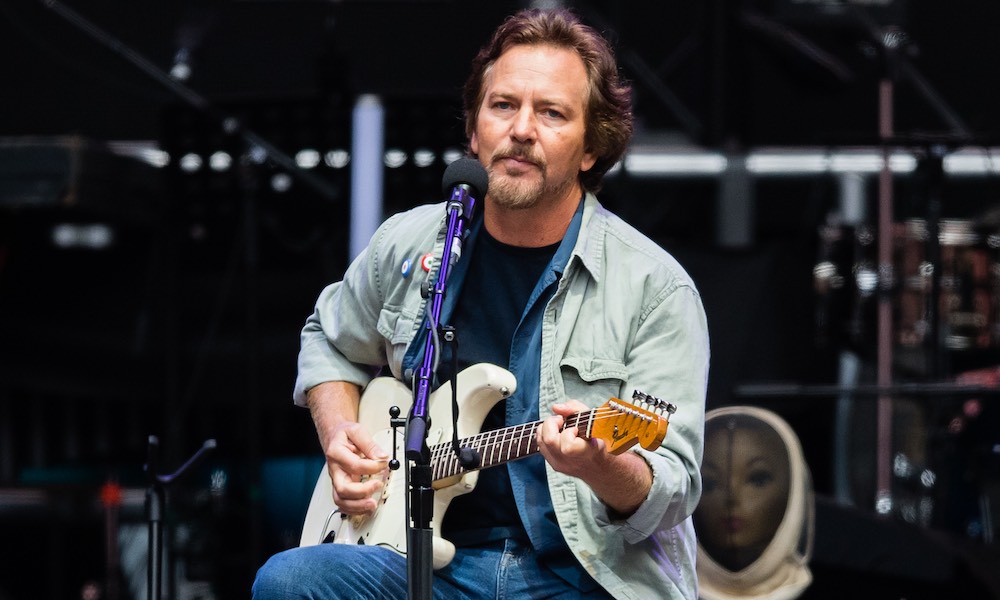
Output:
(621, 481)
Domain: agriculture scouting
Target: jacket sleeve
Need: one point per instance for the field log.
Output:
(671, 350)
(340, 340)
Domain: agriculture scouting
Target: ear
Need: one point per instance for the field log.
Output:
(588, 160)
(474, 144)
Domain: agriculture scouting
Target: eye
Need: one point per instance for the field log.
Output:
(760, 478)
(553, 113)
(502, 105)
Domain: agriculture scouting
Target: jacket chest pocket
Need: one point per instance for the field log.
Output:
(593, 380)
(396, 328)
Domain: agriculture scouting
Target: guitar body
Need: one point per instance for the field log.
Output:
(481, 387)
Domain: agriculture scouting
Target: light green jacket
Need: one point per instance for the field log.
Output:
(625, 316)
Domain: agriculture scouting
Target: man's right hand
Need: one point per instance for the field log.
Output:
(352, 456)
(357, 468)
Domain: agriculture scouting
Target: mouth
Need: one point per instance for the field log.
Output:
(517, 162)
(733, 524)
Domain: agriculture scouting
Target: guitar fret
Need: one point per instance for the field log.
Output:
(496, 449)
(510, 441)
(498, 439)
(485, 449)
(502, 440)
(492, 457)
(451, 464)
(530, 445)
(530, 431)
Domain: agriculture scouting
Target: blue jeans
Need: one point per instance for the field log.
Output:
(503, 569)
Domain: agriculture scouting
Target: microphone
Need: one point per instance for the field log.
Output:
(464, 181)
(466, 174)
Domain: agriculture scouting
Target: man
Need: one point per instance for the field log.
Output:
(578, 305)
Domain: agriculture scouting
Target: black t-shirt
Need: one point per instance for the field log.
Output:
(489, 308)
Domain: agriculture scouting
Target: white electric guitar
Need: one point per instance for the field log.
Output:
(620, 424)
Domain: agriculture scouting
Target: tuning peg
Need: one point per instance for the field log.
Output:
(655, 402)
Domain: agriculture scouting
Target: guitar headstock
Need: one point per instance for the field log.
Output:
(623, 424)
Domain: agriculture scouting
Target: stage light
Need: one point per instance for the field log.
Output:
(869, 162)
(450, 155)
(307, 158)
(972, 162)
(281, 182)
(257, 155)
(181, 69)
(142, 151)
(394, 158)
(702, 163)
(883, 503)
(781, 162)
(422, 157)
(190, 162)
(337, 159)
(94, 236)
(220, 161)
(866, 279)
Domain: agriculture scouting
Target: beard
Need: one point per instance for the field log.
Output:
(515, 192)
(521, 191)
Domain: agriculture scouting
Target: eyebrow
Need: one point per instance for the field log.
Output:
(562, 104)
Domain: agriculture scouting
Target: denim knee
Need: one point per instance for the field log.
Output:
(279, 579)
(331, 572)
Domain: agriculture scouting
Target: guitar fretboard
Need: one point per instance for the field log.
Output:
(500, 446)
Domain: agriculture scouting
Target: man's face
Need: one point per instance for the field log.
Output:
(530, 129)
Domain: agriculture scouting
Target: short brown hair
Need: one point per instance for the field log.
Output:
(609, 106)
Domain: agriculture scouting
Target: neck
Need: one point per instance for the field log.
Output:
(541, 225)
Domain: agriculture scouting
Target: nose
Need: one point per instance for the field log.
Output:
(732, 490)
(523, 126)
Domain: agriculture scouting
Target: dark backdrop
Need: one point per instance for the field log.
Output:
(186, 326)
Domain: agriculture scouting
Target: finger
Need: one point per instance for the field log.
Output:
(368, 451)
(356, 497)
(355, 507)
(569, 407)
(355, 486)
(571, 444)
(343, 458)
(347, 457)
(549, 432)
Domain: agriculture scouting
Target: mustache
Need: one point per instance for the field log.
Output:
(520, 153)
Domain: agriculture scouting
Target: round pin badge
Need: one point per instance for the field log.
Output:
(426, 262)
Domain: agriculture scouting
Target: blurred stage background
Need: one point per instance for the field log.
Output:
(155, 270)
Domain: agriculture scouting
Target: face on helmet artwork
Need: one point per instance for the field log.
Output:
(746, 478)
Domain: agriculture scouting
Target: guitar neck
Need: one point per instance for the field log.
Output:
(500, 446)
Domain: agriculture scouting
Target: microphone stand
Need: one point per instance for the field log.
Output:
(155, 505)
(420, 536)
